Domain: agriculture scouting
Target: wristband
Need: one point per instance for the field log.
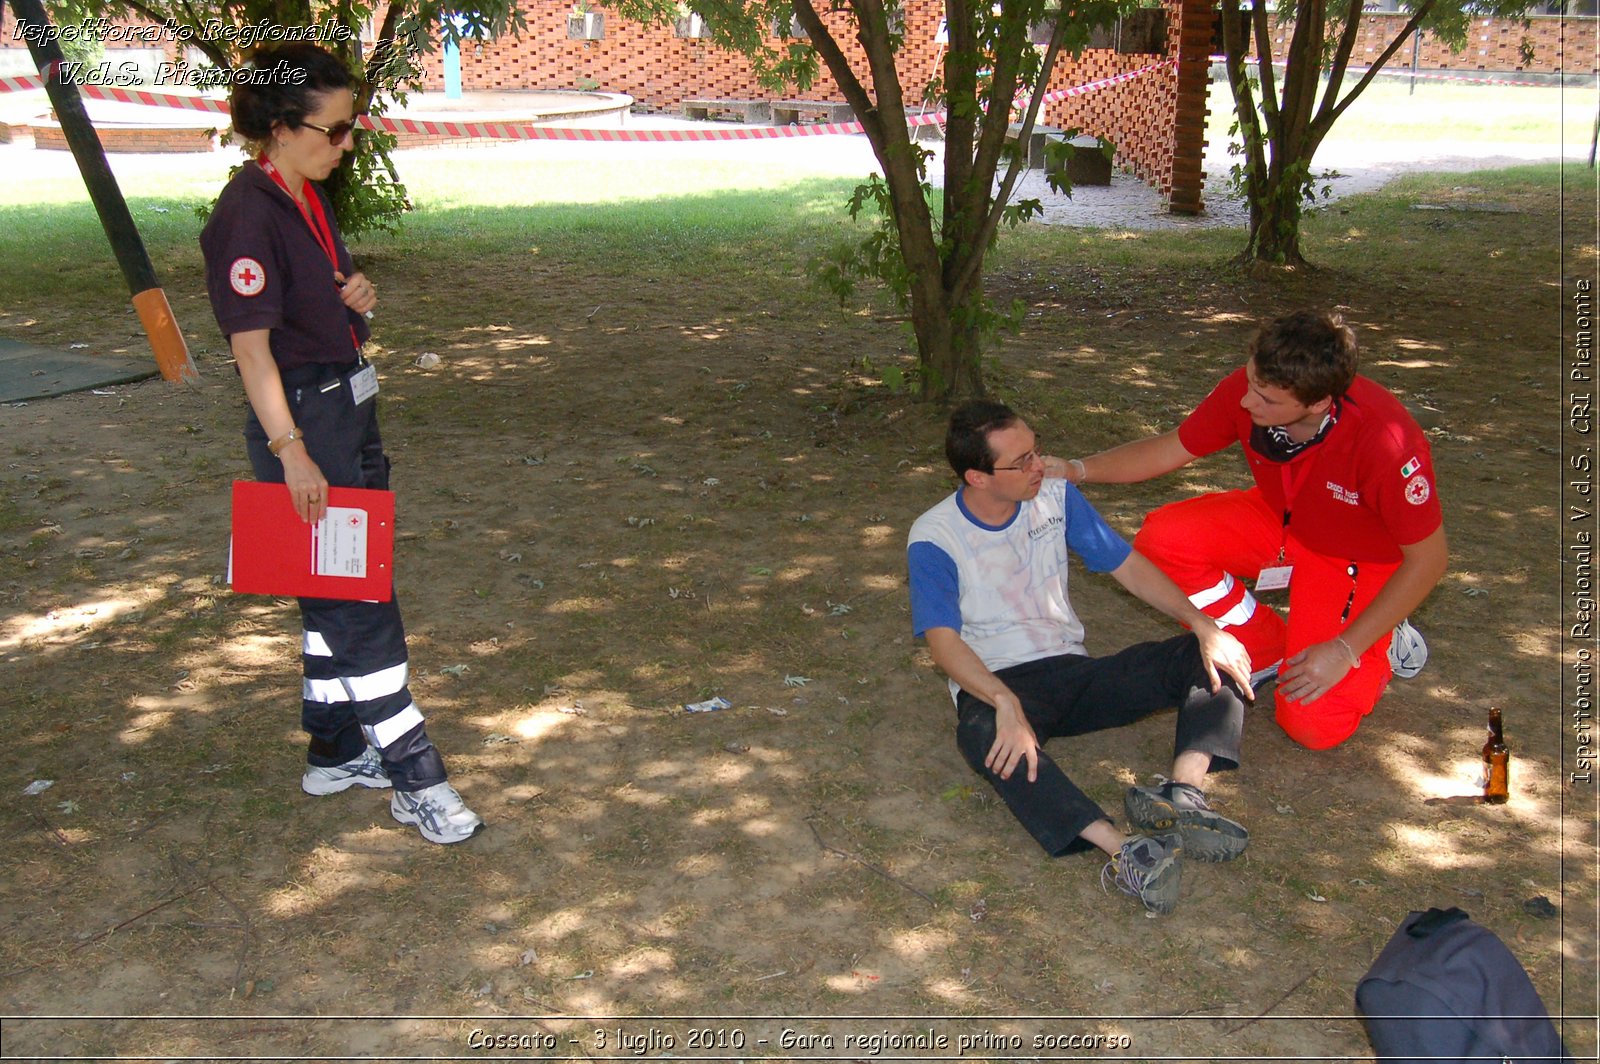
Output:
(1083, 474)
(276, 446)
(1355, 662)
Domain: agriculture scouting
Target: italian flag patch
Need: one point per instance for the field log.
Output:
(1410, 467)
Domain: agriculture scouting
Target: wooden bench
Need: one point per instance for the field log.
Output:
(788, 112)
(1036, 141)
(747, 110)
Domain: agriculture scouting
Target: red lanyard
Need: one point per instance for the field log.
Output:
(1292, 483)
(310, 209)
(310, 205)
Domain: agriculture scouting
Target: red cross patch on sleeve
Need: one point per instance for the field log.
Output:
(246, 277)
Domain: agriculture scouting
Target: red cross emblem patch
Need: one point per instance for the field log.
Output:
(247, 277)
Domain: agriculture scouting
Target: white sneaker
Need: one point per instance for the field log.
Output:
(1408, 651)
(364, 770)
(438, 812)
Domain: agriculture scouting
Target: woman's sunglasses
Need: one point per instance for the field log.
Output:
(336, 133)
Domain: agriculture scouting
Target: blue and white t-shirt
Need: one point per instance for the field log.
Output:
(1004, 588)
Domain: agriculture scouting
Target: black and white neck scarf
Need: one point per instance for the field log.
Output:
(1273, 442)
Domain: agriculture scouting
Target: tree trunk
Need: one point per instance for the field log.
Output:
(1274, 226)
(944, 261)
(949, 348)
(1277, 189)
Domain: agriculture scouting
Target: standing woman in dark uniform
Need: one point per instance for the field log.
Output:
(294, 310)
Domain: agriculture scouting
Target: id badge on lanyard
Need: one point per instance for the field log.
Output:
(364, 383)
(1274, 577)
(1277, 577)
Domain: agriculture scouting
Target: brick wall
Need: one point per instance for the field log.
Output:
(1157, 121)
(660, 70)
(48, 135)
(1560, 45)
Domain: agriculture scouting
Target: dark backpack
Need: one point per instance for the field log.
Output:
(1445, 988)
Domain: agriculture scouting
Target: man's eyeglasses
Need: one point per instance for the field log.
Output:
(336, 132)
(1023, 463)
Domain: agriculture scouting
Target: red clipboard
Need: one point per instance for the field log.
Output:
(347, 555)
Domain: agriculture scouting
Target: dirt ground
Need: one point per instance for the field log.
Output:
(687, 493)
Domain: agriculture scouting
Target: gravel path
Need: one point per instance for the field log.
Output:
(1129, 203)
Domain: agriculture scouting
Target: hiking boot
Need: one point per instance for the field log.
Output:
(1149, 868)
(438, 812)
(364, 770)
(1408, 651)
(1207, 835)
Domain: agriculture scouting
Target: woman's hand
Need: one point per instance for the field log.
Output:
(308, 488)
(356, 291)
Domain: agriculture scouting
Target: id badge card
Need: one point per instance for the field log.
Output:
(364, 384)
(1274, 578)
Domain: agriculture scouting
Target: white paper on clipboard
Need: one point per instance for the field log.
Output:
(339, 543)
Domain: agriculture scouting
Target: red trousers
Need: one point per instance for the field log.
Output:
(1212, 544)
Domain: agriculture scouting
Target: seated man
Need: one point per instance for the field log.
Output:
(988, 572)
(1344, 501)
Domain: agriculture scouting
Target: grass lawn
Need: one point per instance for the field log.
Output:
(1389, 112)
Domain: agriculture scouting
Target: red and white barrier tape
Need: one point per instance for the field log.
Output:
(1078, 90)
(522, 131)
(120, 94)
(1407, 72)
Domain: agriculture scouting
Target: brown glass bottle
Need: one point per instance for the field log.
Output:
(1496, 762)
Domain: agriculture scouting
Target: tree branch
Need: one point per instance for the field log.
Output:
(1302, 65)
(1269, 83)
(868, 865)
(960, 85)
(997, 208)
(1372, 71)
(1234, 46)
(834, 58)
(383, 53)
(1341, 56)
(973, 229)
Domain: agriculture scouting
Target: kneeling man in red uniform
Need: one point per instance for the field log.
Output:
(1344, 510)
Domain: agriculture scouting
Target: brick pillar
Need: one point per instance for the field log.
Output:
(1196, 25)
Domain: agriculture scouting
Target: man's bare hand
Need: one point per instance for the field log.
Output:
(1221, 651)
(1014, 740)
(1315, 671)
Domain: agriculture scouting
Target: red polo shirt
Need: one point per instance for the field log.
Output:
(1363, 492)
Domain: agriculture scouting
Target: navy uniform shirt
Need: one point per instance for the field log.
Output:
(266, 270)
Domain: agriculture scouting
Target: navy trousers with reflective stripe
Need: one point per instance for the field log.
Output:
(354, 653)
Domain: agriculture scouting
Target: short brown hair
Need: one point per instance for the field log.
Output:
(1312, 355)
(966, 442)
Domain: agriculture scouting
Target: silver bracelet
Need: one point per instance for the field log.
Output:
(1083, 474)
(1355, 662)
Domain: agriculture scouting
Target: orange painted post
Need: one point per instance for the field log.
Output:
(155, 314)
(166, 340)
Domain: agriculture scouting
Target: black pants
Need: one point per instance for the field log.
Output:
(354, 653)
(1072, 694)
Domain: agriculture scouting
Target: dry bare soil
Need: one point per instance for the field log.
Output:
(696, 490)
